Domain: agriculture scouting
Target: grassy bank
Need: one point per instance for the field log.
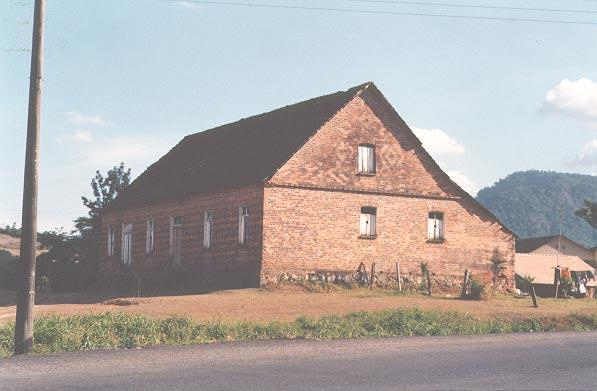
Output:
(118, 330)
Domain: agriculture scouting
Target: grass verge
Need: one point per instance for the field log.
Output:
(118, 330)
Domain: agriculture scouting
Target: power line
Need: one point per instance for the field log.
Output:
(476, 6)
(379, 12)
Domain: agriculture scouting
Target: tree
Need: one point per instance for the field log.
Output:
(72, 260)
(105, 189)
(589, 213)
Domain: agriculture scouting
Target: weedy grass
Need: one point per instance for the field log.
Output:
(118, 330)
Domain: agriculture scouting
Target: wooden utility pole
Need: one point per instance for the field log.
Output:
(26, 292)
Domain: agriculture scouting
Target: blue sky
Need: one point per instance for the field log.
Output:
(125, 80)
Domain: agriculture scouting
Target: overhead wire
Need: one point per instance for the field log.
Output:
(384, 12)
(475, 6)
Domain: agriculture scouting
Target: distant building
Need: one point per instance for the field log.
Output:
(553, 245)
(542, 266)
(313, 188)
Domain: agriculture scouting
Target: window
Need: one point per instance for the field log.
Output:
(243, 224)
(127, 244)
(366, 159)
(110, 241)
(367, 222)
(435, 226)
(149, 236)
(176, 240)
(177, 221)
(207, 222)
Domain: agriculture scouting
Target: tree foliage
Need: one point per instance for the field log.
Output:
(105, 189)
(72, 260)
(589, 213)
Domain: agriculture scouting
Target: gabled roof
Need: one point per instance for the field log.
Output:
(542, 266)
(531, 244)
(250, 151)
(237, 154)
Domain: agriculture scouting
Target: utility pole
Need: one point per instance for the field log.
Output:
(26, 293)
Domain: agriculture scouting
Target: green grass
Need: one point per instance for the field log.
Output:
(118, 330)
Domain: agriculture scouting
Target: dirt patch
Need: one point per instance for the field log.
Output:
(120, 302)
(289, 303)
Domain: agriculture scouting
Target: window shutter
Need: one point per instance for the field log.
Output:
(431, 228)
(370, 160)
(207, 230)
(372, 228)
(364, 224)
(440, 227)
(361, 159)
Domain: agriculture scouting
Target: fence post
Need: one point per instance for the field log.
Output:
(398, 277)
(534, 296)
(372, 279)
(465, 283)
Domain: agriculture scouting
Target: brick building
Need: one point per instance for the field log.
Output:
(316, 187)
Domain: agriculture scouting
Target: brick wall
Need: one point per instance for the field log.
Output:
(329, 158)
(225, 253)
(312, 204)
(311, 230)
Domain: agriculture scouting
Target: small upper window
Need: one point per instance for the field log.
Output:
(435, 226)
(366, 159)
(110, 241)
(243, 224)
(149, 236)
(367, 222)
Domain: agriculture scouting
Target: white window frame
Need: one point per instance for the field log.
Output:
(207, 229)
(366, 161)
(150, 236)
(243, 224)
(435, 225)
(368, 222)
(110, 240)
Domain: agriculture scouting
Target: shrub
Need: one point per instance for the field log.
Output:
(478, 291)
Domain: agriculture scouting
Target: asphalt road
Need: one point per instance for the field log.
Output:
(530, 361)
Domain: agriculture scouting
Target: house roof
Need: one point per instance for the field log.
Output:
(241, 153)
(542, 266)
(248, 151)
(531, 244)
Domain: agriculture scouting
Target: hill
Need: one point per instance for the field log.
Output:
(12, 244)
(529, 203)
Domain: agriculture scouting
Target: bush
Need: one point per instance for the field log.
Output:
(8, 270)
(477, 289)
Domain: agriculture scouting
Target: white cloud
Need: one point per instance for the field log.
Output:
(576, 99)
(588, 155)
(80, 136)
(463, 181)
(79, 119)
(136, 151)
(437, 142)
(189, 4)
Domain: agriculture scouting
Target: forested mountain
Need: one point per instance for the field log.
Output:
(529, 203)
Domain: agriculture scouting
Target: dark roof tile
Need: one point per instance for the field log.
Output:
(241, 153)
